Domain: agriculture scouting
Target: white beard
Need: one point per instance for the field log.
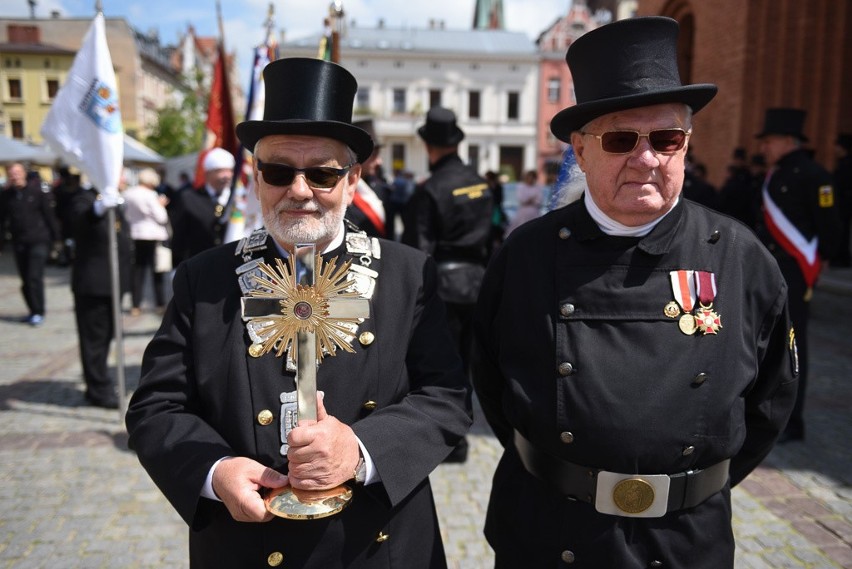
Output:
(304, 229)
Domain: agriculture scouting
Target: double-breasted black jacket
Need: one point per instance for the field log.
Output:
(639, 395)
(201, 392)
(197, 223)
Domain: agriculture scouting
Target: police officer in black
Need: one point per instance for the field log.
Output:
(799, 225)
(449, 217)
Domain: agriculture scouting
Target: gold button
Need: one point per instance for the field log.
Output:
(382, 537)
(564, 233)
(265, 417)
(275, 558)
(366, 338)
(255, 350)
(370, 405)
(567, 437)
(566, 368)
(568, 556)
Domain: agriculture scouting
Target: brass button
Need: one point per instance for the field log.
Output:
(566, 309)
(370, 405)
(700, 378)
(265, 417)
(688, 450)
(566, 368)
(366, 338)
(275, 558)
(715, 236)
(255, 350)
(568, 556)
(566, 437)
(564, 233)
(382, 537)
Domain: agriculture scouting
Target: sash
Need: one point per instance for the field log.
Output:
(790, 239)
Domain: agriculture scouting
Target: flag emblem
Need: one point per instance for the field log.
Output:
(100, 104)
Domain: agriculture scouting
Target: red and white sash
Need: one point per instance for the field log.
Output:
(371, 206)
(790, 238)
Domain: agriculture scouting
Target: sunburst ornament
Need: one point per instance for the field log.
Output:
(707, 320)
(327, 309)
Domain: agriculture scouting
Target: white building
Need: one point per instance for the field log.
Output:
(489, 78)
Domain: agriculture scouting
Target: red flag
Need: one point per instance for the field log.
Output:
(220, 116)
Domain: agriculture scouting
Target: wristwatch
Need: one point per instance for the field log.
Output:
(360, 471)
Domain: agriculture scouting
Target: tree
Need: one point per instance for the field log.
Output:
(180, 126)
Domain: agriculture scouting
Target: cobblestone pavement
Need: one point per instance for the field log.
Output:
(72, 495)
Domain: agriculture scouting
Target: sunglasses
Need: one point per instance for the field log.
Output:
(666, 140)
(319, 177)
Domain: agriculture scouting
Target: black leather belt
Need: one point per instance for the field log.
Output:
(631, 495)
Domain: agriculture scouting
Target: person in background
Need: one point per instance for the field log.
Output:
(499, 220)
(449, 217)
(843, 187)
(799, 226)
(27, 213)
(367, 210)
(91, 285)
(197, 215)
(633, 351)
(400, 192)
(737, 195)
(145, 211)
(530, 196)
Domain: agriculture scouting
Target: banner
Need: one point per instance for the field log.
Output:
(84, 123)
(220, 116)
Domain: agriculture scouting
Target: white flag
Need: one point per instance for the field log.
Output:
(84, 123)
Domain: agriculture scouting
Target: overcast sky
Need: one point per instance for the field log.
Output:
(244, 19)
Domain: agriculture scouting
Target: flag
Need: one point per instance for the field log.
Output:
(220, 116)
(84, 123)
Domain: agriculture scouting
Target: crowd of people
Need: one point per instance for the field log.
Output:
(637, 351)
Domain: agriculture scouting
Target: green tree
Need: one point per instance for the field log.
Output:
(180, 127)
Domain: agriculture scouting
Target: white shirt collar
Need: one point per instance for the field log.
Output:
(612, 227)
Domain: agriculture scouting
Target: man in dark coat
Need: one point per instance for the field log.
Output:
(26, 212)
(211, 420)
(367, 210)
(449, 217)
(633, 352)
(799, 226)
(197, 215)
(843, 188)
(91, 283)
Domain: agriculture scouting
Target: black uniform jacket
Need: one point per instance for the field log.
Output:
(804, 191)
(91, 273)
(27, 213)
(449, 215)
(633, 399)
(200, 395)
(196, 223)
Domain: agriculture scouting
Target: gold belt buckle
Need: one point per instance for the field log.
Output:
(632, 495)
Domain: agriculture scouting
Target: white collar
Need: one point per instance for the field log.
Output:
(612, 227)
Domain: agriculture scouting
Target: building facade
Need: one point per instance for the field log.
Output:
(489, 78)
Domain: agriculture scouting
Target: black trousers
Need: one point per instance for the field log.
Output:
(144, 253)
(94, 332)
(30, 259)
(799, 313)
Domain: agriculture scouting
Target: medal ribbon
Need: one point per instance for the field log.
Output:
(705, 287)
(683, 286)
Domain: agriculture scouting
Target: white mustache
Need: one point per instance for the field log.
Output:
(309, 206)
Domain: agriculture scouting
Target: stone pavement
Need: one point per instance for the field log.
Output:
(73, 496)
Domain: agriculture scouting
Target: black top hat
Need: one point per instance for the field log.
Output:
(308, 97)
(367, 126)
(788, 122)
(627, 64)
(844, 139)
(440, 128)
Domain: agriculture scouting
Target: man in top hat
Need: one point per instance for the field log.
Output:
(632, 349)
(843, 189)
(197, 215)
(212, 419)
(799, 226)
(367, 210)
(449, 217)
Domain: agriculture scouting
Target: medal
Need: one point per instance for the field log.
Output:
(683, 287)
(707, 320)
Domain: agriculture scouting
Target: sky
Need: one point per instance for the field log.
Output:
(244, 19)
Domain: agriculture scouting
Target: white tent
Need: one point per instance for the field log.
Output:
(13, 150)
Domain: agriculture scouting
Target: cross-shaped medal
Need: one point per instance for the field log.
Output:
(307, 320)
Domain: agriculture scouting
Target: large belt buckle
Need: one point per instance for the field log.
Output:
(632, 495)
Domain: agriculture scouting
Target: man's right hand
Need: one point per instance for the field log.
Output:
(237, 481)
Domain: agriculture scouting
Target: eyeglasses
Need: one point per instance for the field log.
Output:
(319, 177)
(666, 140)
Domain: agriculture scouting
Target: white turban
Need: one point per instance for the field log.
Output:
(218, 158)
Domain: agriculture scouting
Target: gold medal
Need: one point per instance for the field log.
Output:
(671, 309)
(633, 495)
(687, 324)
(707, 320)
